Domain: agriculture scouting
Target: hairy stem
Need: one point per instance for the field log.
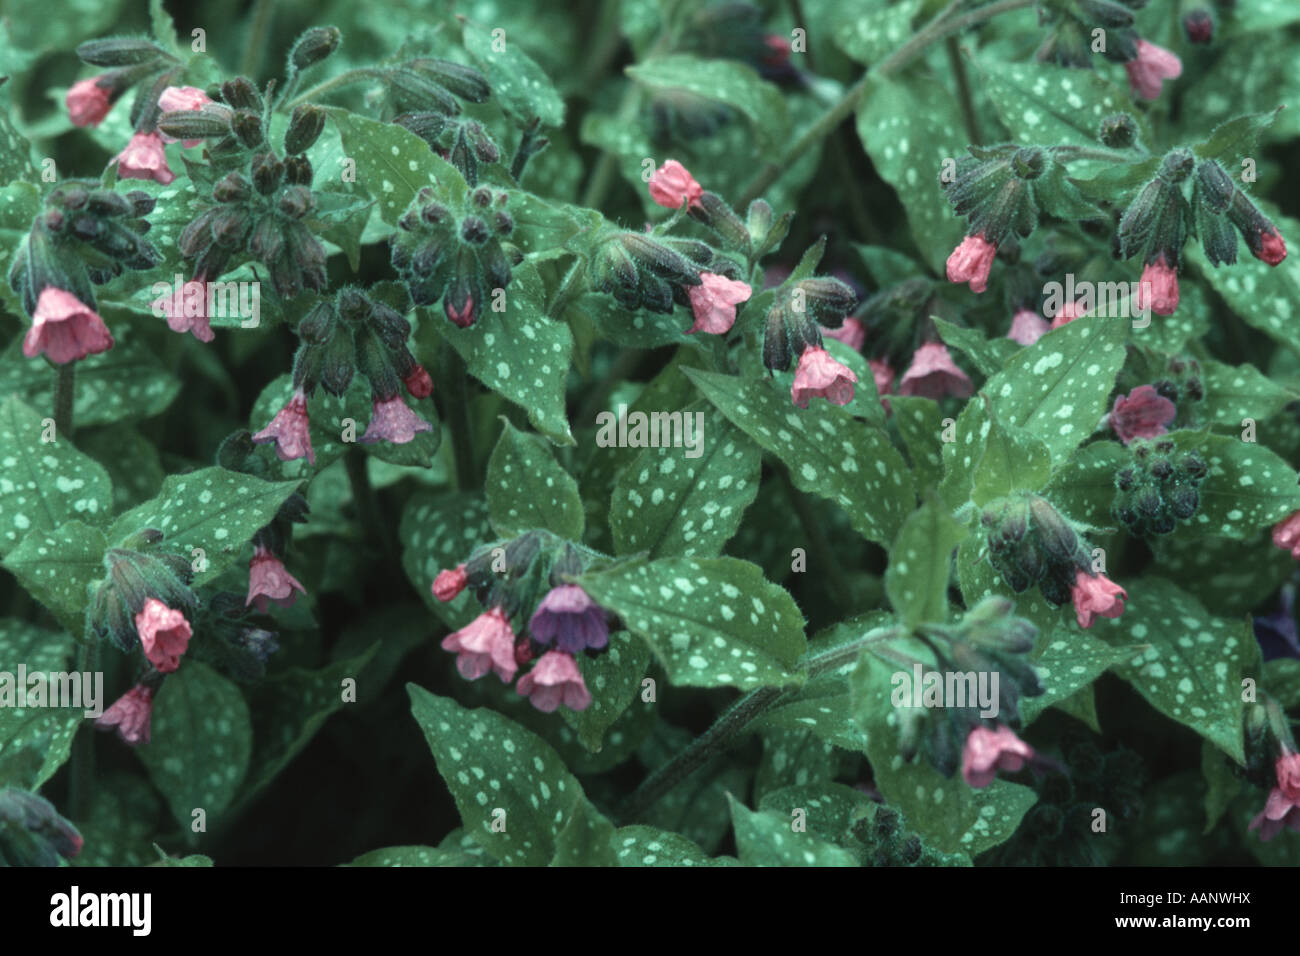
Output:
(65, 388)
(454, 387)
(363, 496)
(333, 83)
(963, 89)
(82, 783)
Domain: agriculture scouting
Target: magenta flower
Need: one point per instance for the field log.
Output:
(933, 374)
(164, 634)
(289, 430)
(671, 184)
(554, 680)
(1267, 245)
(1158, 287)
(714, 302)
(449, 583)
(1095, 597)
(1286, 534)
(1144, 413)
(88, 102)
(852, 333)
(177, 98)
(1147, 72)
(1069, 312)
(485, 643)
(187, 310)
(145, 158)
(820, 375)
(129, 715)
(418, 382)
(988, 751)
(1027, 327)
(65, 328)
(461, 319)
(268, 581)
(1282, 811)
(971, 262)
(570, 619)
(391, 420)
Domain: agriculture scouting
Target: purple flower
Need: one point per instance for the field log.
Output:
(570, 619)
(392, 421)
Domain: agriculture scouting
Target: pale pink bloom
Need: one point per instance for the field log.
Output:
(1286, 534)
(129, 715)
(1152, 66)
(449, 583)
(1282, 811)
(485, 643)
(65, 328)
(1096, 597)
(88, 102)
(554, 680)
(971, 262)
(714, 302)
(268, 580)
(988, 751)
(392, 421)
(820, 375)
(164, 634)
(145, 158)
(187, 310)
(177, 98)
(670, 184)
(852, 333)
(289, 430)
(1144, 413)
(883, 376)
(933, 374)
(1158, 287)
(1027, 327)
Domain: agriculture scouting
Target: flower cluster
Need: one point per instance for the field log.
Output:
(1158, 490)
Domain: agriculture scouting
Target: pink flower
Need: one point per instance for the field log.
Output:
(177, 98)
(187, 310)
(269, 581)
(971, 262)
(1282, 811)
(1027, 327)
(1286, 534)
(1158, 287)
(1268, 246)
(1096, 596)
(289, 430)
(1145, 413)
(671, 183)
(465, 317)
(164, 634)
(88, 102)
(852, 333)
(129, 715)
(778, 50)
(449, 583)
(391, 420)
(554, 680)
(145, 158)
(819, 374)
(485, 643)
(418, 382)
(714, 302)
(883, 376)
(988, 751)
(65, 328)
(1069, 312)
(933, 374)
(1152, 66)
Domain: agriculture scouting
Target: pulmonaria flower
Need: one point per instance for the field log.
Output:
(186, 310)
(88, 102)
(484, 644)
(671, 183)
(1095, 597)
(1267, 245)
(177, 98)
(462, 318)
(971, 262)
(1158, 287)
(1199, 26)
(570, 619)
(1282, 811)
(1143, 413)
(852, 333)
(129, 715)
(449, 583)
(65, 328)
(1150, 68)
(1027, 327)
(988, 751)
(820, 375)
(714, 302)
(778, 50)
(145, 158)
(1069, 312)
(289, 430)
(933, 374)
(391, 420)
(418, 382)
(1286, 534)
(268, 581)
(554, 680)
(164, 634)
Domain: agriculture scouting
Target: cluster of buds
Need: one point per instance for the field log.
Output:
(1218, 207)
(234, 642)
(85, 236)
(145, 599)
(1158, 490)
(657, 273)
(887, 840)
(507, 580)
(1071, 42)
(32, 833)
(1030, 543)
(423, 95)
(451, 247)
(672, 186)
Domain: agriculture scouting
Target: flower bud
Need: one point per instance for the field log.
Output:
(232, 187)
(198, 124)
(390, 325)
(338, 362)
(296, 201)
(465, 81)
(485, 149)
(417, 91)
(242, 95)
(428, 125)
(1199, 25)
(266, 241)
(118, 51)
(1118, 131)
(308, 364)
(317, 326)
(230, 225)
(268, 173)
(373, 362)
(298, 171)
(245, 124)
(313, 46)
(714, 212)
(32, 833)
(305, 126)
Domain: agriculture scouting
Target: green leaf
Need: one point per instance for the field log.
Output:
(868, 35)
(712, 622)
(829, 809)
(767, 839)
(793, 756)
(1237, 392)
(1084, 487)
(586, 840)
(1282, 680)
(920, 424)
(411, 856)
(34, 741)
(1248, 487)
(438, 532)
(1236, 138)
(920, 564)
(1222, 786)
(1013, 460)
(828, 452)
(15, 151)
(650, 846)
(44, 483)
(212, 509)
(687, 500)
(725, 81)
(57, 566)
(201, 738)
(1060, 197)
(988, 355)
(1067, 662)
(614, 680)
(527, 489)
(521, 86)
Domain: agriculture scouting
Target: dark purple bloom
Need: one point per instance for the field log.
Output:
(571, 619)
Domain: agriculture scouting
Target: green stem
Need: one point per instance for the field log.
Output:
(568, 288)
(333, 83)
(963, 89)
(258, 31)
(363, 496)
(944, 24)
(452, 373)
(1068, 152)
(820, 547)
(65, 388)
(82, 783)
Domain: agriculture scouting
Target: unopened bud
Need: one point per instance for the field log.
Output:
(313, 46)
